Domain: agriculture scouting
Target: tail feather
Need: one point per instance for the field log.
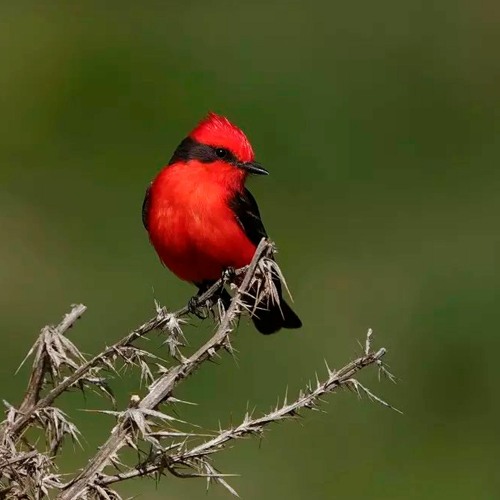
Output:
(270, 319)
(267, 318)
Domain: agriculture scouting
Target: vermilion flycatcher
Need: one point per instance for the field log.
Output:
(202, 220)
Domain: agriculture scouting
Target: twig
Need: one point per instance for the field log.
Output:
(18, 458)
(40, 363)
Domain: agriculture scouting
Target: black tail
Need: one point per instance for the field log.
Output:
(267, 318)
(271, 320)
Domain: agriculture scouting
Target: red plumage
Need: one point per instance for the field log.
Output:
(218, 130)
(200, 218)
(191, 225)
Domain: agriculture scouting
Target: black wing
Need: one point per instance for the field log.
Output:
(145, 208)
(247, 214)
(268, 318)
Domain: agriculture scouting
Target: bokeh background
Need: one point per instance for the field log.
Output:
(379, 122)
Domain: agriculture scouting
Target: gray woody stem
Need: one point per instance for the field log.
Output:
(39, 369)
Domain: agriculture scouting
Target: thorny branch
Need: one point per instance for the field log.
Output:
(157, 322)
(308, 399)
(28, 472)
(41, 359)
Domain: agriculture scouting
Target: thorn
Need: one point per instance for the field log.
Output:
(368, 341)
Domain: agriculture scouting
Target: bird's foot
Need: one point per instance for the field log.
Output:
(197, 309)
(229, 274)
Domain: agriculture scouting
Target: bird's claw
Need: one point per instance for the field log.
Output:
(195, 308)
(229, 274)
(193, 304)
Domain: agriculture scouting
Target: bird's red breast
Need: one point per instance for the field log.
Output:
(191, 224)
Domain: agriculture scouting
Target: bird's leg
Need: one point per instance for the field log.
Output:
(228, 274)
(202, 310)
(194, 305)
(195, 308)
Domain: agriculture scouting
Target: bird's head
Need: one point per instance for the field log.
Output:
(218, 142)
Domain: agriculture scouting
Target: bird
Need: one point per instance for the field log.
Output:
(201, 218)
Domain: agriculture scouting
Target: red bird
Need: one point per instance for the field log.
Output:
(202, 220)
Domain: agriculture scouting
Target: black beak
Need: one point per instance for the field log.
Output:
(254, 168)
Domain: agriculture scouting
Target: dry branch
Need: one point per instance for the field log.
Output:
(307, 399)
(30, 472)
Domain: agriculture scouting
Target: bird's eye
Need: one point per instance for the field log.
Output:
(221, 152)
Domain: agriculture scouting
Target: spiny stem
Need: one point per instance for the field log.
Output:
(307, 399)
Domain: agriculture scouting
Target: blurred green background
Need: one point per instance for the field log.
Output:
(379, 122)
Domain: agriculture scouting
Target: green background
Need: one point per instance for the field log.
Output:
(379, 123)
